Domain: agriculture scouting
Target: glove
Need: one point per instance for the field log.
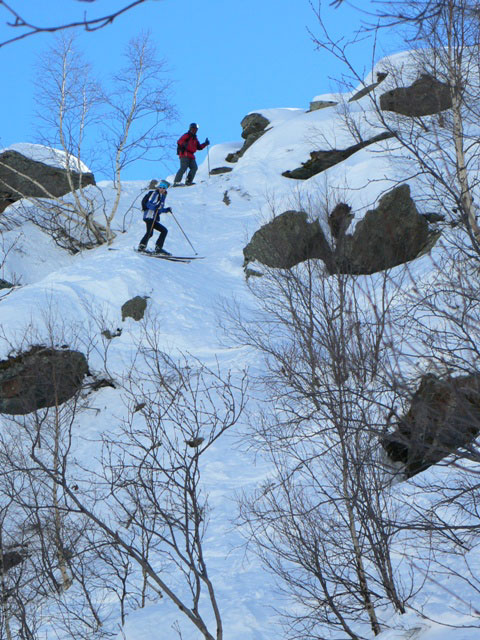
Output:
(168, 210)
(207, 141)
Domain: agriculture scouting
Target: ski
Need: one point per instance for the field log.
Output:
(161, 256)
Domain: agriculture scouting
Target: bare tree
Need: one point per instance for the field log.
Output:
(132, 521)
(404, 12)
(324, 521)
(122, 123)
(439, 150)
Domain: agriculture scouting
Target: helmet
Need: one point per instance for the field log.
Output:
(193, 125)
(163, 184)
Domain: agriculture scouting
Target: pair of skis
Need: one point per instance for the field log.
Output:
(162, 256)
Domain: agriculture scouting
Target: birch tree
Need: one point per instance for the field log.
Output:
(322, 522)
(108, 126)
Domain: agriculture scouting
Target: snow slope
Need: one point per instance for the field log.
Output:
(86, 292)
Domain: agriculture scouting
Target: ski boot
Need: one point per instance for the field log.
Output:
(161, 252)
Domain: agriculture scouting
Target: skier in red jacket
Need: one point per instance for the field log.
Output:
(187, 146)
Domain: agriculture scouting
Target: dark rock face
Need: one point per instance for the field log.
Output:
(369, 88)
(424, 97)
(444, 416)
(134, 308)
(218, 170)
(433, 217)
(339, 219)
(11, 559)
(254, 125)
(4, 284)
(41, 377)
(316, 105)
(287, 240)
(391, 234)
(323, 160)
(21, 177)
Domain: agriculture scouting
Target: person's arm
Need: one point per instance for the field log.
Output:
(161, 205)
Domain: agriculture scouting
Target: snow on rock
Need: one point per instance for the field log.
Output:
(48, 155)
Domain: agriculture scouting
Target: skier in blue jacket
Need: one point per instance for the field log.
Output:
(153, 205)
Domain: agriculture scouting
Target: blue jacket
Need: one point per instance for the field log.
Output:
(153, 204)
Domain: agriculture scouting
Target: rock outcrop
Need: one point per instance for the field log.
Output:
(254, 126)
(134, 308)
(339, 220)
(369, 88)
(287, 240)
(41, 377)
(323, 160)
(444, 415)
(424, 97)
(316, 105)
(391, 234)
(11, 559)
(219, 170)
(23, 177)
(4, 284)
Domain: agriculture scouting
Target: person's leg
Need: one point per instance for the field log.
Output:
(184, 162)
(193, 170)
(161, 238)
(144, 241)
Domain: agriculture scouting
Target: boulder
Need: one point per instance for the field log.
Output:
(218, 170)
(134, 308)
(444, 415)
(433, 216)
(394, 233)
(11, 559)
(339, 219)
(369, 88)
(323, 160)
(287, 240)
(23, 177)
(41, 377)
(254, 125)
(4, 284)
(316, 105)
(424, 97)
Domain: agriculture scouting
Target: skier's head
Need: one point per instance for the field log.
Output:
(193, 127)
(163, 184)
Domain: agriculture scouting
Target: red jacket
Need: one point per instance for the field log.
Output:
(188, 145)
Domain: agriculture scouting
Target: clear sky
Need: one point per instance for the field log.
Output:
(227, 58)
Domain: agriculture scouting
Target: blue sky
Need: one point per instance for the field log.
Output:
(226, 57)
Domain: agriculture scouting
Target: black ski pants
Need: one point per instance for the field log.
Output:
(186, 163)
(154, 225)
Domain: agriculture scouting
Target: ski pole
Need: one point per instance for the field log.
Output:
(179, 226)
(208, 158)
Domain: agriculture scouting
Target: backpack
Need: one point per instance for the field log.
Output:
(145, 200)
(182, 147)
